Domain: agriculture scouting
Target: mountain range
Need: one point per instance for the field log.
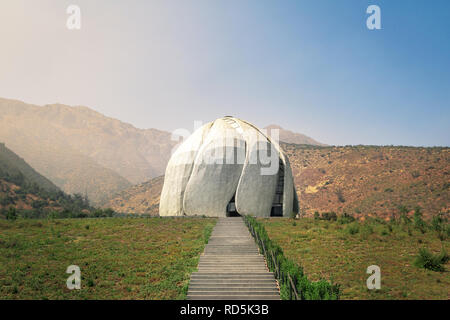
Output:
(78, 150)
(82, 151)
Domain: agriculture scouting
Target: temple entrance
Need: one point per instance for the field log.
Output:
(231, 208)
(277, 204)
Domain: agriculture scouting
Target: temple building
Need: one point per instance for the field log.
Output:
(228, 167)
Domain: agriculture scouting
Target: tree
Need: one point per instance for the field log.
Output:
(340, 195)
(108, 212)
(11, 215)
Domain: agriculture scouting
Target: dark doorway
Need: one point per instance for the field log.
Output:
(231, 208)
(277, 203)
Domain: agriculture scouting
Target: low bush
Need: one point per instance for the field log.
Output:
(329, 216)
(437, 222)
(11, 214)
(352, 228)
(425, 259)
(418, 221)
(340, 195)
(345, 218)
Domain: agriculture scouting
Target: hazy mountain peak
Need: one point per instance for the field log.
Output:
(292, 137)
(80, 149)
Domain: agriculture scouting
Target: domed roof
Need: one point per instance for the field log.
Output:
(228, 167)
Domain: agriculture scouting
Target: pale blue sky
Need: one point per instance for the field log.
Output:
(309, 66)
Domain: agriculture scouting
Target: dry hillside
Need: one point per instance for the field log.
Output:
(81, 150)
(13, 195)
(142, 198)
(370, 180)
(30, 193)
(361, 180)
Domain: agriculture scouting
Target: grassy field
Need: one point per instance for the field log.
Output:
(342, 253)
(119, 258)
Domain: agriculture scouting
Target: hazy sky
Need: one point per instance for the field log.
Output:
(309, 66)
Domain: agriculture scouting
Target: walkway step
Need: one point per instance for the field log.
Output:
(232, 285)
(231, 281)
(255, 275)
(233, 297)
(231, 267)
(233, 291)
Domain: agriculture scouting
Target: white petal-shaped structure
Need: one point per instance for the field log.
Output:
(225, 168)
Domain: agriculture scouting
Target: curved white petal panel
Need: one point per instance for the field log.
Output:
(216, 174)
(254, 178)
(178, 171)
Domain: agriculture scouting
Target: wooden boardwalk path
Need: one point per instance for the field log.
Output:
(231, 267)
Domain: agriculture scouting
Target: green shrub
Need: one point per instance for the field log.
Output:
(207, 233)
(352, 229)
(340, 195)
(11, 214)
(418, 221)
(330, 216)
(404, 214)
(425, 259)
(437, 223)
(345, 218)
